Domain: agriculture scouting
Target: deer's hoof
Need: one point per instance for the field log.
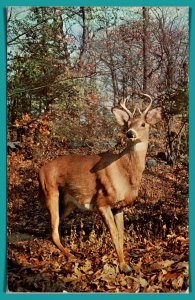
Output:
(125, 268)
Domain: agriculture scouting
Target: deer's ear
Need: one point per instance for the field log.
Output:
(120, 115)
(154, 116)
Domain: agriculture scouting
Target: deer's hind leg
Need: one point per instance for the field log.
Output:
(52, 203)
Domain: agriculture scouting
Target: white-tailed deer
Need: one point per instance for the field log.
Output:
(106, 182)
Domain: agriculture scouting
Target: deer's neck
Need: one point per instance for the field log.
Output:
(134, 157)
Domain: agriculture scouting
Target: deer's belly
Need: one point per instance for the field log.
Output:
(83, 203)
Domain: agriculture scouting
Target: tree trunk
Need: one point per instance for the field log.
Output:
(60, 36)
(84, 36)
(145, 14)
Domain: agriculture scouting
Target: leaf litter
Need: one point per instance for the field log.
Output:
(156, 237)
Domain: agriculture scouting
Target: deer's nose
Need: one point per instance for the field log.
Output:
(131, 134)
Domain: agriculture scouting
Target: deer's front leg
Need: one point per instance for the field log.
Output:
(119, 221)
(114, 226)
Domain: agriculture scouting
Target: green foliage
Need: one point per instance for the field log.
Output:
(40, 74)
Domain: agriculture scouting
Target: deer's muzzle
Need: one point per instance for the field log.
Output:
(131, 134)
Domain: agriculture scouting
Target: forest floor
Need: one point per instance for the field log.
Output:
(156, 238)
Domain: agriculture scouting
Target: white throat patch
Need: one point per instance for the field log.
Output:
(140, 146)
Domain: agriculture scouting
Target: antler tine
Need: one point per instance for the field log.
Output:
(150, 104)
(134, 110)
(122, 104)
(139, 110)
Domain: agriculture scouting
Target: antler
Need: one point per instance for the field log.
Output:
(148, 107)
(122, 104)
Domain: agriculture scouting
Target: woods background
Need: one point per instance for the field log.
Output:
(66, 67)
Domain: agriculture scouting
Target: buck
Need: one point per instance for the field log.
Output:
(107, 182)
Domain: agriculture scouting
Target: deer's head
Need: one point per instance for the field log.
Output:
(136, 128)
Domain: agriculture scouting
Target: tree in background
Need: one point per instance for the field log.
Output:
(68, 58)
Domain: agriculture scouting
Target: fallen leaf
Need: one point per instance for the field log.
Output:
(87, 266)
(177, 283)
(166, 263)
(143, 282)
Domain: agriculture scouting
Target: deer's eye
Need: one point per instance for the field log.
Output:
(143, 125)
